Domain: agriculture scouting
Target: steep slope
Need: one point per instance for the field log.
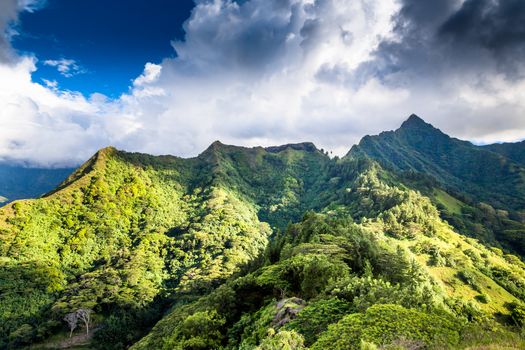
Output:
(282, 182)
(125, 231)
(17, 182)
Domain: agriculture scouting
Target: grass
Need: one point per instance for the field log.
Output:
(447, 276)
(451, 204)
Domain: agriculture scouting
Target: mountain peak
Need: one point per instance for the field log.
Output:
(415, 121)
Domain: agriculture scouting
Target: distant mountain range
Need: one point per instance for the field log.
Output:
(413, 240)
(19, 182)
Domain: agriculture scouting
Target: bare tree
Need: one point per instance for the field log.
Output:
(85, 316)
(72, 321)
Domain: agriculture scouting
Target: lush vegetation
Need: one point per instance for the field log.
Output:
(479, 190)
(277, 248)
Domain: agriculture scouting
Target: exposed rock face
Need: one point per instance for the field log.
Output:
(287, 310)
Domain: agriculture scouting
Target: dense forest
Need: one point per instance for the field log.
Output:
(413, 240)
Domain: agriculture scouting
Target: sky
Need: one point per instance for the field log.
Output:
(171, 77)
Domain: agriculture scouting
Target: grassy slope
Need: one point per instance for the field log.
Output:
(451, 204)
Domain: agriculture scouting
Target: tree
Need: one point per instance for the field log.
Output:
(72, 321)
(85, 316)
(518, 315)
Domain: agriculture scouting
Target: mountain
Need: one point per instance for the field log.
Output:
(269, 248)
(459, 165)
(18, 182)
(513, 151)
(479, 191)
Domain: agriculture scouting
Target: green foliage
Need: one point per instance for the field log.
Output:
(284, 340)
(383, 324)
(518, 315)
(124, 230)
(470, 279)
(462, 166)
(306, 275)
(509, 280)
(483, 298)
(364, 292)
(201, 330)
(315, 318)
(367, 346)
(255, 327)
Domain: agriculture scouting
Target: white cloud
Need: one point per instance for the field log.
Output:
(51, 127)
(66, 67)
(258, 72)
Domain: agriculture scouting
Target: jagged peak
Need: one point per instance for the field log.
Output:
(416, 122)
(217, 143)
(109, 150)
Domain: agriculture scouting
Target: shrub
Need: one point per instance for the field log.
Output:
(202, 330)
(518, 315)
(468, 278)
(284, 340)
(483, 298)
(384, 324)
(315, 318)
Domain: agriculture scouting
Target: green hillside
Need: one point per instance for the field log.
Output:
(459, 165)
(376, 252)
(272, 248)
(488, 189)
(514, 151)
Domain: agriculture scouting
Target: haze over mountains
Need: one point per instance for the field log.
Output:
(19, 182)
(413, 238)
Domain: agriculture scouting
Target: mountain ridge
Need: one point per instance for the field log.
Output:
(418, 146)
(241, 247)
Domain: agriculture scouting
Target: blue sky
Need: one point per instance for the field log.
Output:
(110, 41)
(172, 76)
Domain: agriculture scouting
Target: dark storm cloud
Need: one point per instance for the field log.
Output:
(497, 26)
(437, 38)
(494, 25)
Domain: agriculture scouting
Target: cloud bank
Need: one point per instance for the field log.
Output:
(264, 72)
